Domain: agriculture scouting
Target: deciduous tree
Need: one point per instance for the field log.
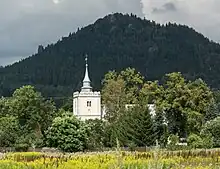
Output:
(68, 134)
(31, 109)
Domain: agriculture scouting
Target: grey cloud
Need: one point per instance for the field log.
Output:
(167, 7)
(27, 23)
(203, 16)
(10, 59)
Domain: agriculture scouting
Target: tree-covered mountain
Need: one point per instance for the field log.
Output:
(116, 41)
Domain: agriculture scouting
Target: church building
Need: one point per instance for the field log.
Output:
(87, 103)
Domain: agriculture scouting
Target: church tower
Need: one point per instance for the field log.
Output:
(86, 103)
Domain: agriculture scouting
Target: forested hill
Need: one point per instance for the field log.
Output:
(115, 42)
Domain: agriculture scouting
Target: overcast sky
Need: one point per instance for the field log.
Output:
(27, 23)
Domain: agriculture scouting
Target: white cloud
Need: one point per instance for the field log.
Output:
(203, 15)
(56, 1)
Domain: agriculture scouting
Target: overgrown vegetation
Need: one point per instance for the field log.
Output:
(182, 111)
(201, 159)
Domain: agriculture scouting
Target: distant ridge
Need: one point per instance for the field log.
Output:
(116, 41)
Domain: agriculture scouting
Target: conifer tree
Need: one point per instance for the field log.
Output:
(140, 128)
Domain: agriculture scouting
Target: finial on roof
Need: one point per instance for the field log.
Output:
(86, 59)
(86, 81)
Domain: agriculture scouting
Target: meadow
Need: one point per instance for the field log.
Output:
(156, 159)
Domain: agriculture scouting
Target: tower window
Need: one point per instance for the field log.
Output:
(89, 103)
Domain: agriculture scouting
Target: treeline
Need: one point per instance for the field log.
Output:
(184, 109)
(115, 42)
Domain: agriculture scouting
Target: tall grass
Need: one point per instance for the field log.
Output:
(155, 159)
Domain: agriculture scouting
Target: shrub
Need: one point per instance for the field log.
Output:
(96, 137)
(172, 141)
(204, 140)
(195, 141)
(207, 139)
(213, 127)
(9, 131)
(67, 134)
(22, 147)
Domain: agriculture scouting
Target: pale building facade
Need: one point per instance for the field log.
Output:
(87, 103)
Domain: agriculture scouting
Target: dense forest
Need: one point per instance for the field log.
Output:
(115, 42)
(186, 111)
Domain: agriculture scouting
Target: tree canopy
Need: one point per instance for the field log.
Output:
(68, 134)
(181, 104)
(181, 108)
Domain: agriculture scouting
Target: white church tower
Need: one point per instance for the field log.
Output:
(86, 103)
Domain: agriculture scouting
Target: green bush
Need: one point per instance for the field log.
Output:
(195, 141)
(204, 140)
(213, 127)
(96, 135)
(9, 131)
(31, 139)
(21, 147)
(207, 139)
(172, 142)
(67, 134)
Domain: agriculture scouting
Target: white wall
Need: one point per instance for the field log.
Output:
(83, 111)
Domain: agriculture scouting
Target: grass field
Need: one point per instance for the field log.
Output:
(157, 159)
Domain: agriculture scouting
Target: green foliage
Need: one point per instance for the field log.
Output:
(173, 140)
(114, 98)
(152, 92)
(68, 134)
(120, 89)
(195, 141)
(31, 109)
(180, 103)
(213, 111)
(28, 138)
(204, 140)
(24, 118)
(97, 133)
(9, 131)
(138, 126)
(207, 139)
(184, 103)
(115, 131)
(160, 128)
(21, 147)
(68, 104)
(63, 113)
(133, 83)
(213, 127)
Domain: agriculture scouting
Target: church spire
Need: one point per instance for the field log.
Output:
(86, 81)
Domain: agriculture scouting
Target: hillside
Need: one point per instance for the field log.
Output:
(115, 42)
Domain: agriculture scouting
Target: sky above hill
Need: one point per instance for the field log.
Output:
(27, 23)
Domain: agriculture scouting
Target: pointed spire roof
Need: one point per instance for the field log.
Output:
(86, 81)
